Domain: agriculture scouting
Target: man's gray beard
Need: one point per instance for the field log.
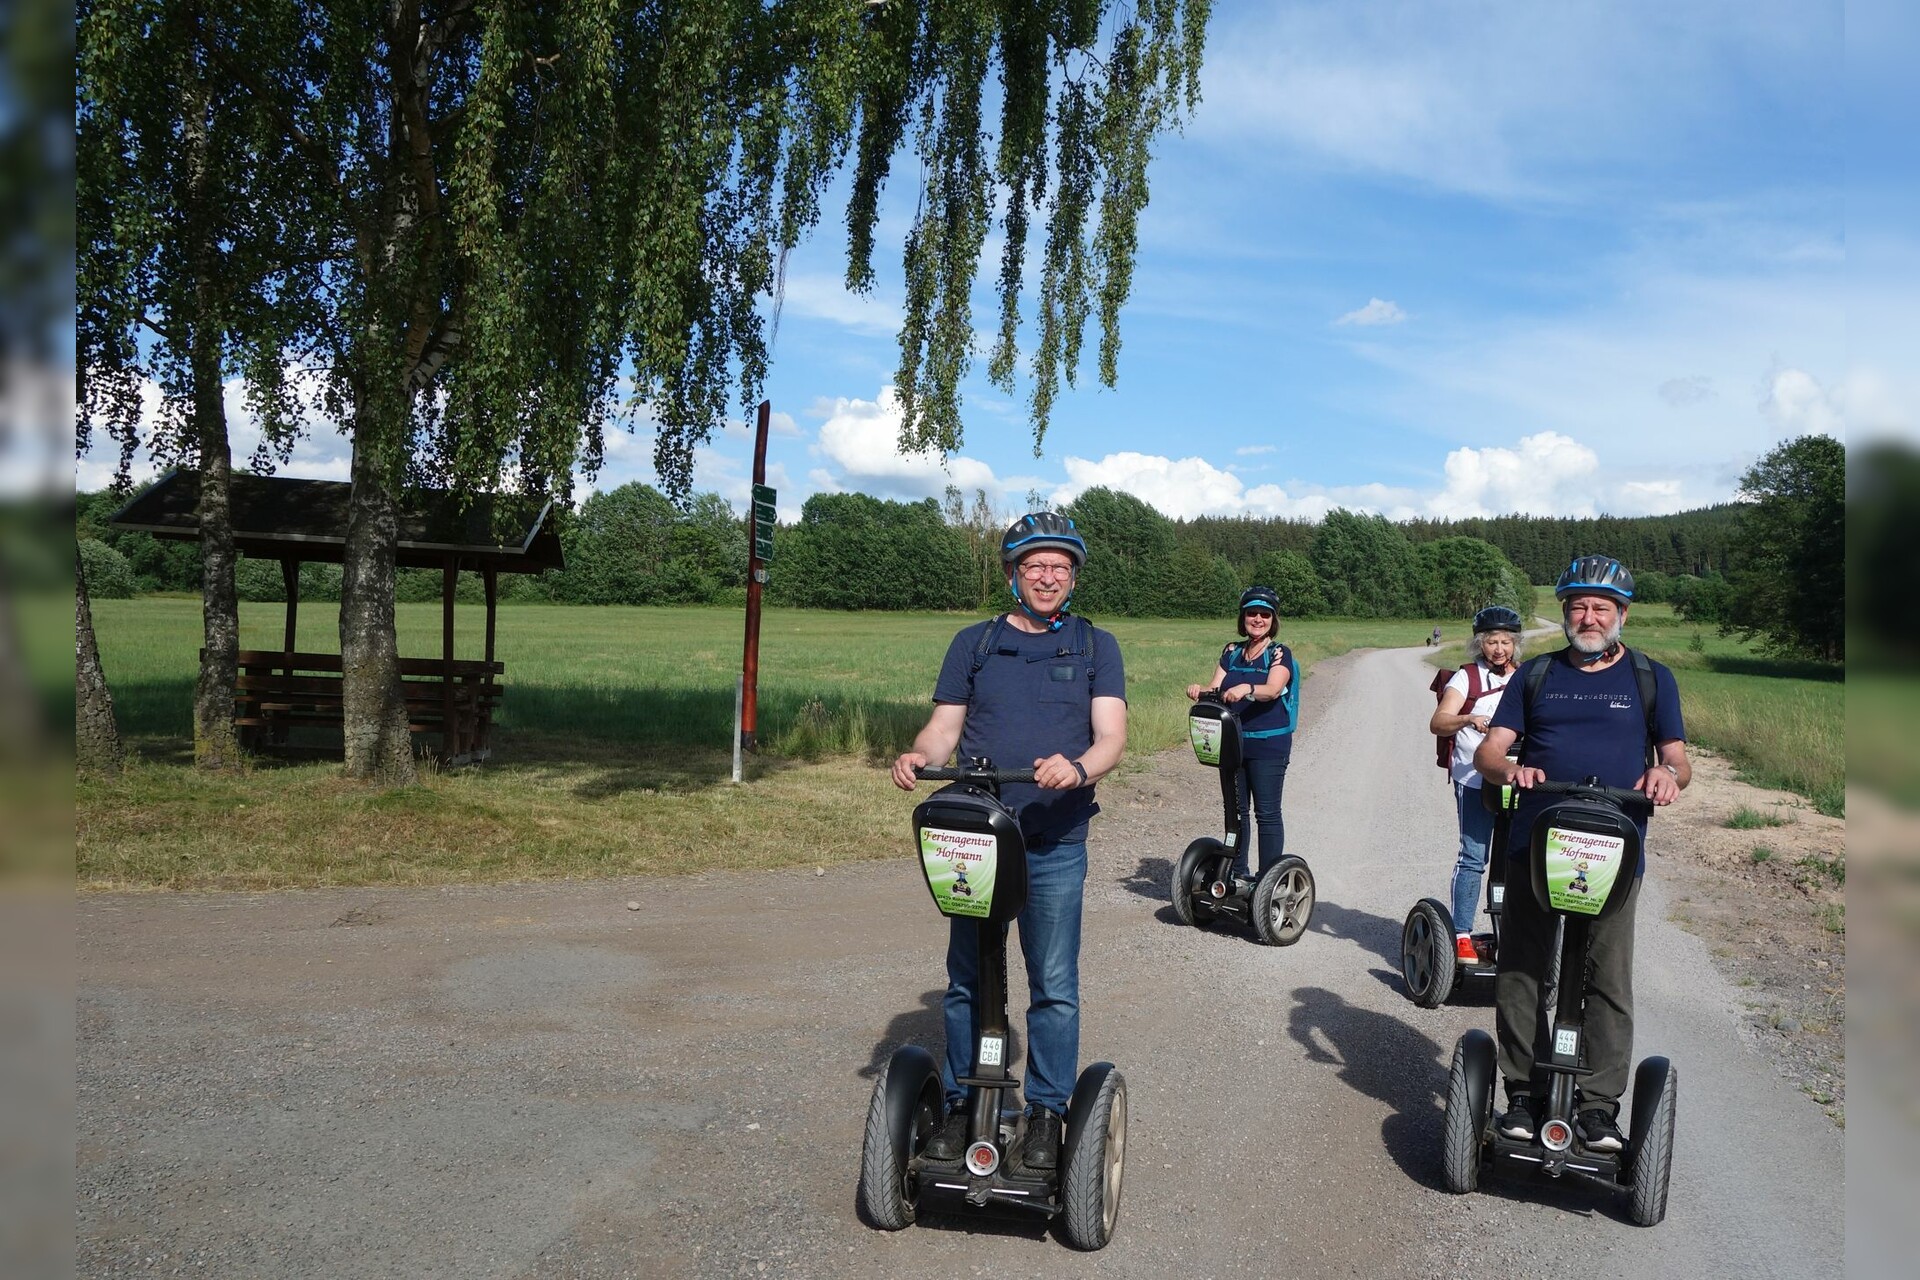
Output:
(1591, 646)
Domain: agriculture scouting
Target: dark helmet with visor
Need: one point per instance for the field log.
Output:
(1258, 598)
(1043, 530)
(1589, 575)
(1496, 617)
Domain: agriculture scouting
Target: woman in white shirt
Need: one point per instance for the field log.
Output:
(1465, 707)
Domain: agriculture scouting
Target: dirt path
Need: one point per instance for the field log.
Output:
(533, 1081)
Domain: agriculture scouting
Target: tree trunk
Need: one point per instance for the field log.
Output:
(96, 735)
(216, 744)
(379, 748)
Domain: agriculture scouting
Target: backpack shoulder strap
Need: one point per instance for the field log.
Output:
(989, 640)
(1532, 676)
(1649, 695)
(1474, 688)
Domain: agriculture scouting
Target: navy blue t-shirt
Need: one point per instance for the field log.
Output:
(1586, 724)
(1032, 698)
(1266, 728)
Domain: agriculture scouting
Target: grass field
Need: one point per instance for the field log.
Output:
(612, 753)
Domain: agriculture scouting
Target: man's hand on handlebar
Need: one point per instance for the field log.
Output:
(1659, 784)
(1056, 773)
(903, 767)
(1525, 776)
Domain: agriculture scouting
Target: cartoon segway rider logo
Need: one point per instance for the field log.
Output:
(1579, 883)
(960, 885)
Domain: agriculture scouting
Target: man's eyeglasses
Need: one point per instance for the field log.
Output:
(1034, 572)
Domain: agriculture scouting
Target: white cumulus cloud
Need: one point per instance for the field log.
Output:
(1545, 474)
(861, 441)
(1377, 311)
(1796, 401)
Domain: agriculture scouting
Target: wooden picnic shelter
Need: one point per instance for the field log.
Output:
(450, 703)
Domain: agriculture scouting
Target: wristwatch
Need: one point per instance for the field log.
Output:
(1670, 769)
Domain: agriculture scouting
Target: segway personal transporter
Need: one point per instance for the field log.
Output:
(1581, 862)
(1279, 904)
(975, 861)
(1429, 964)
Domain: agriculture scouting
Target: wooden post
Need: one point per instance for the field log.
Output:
(491, 577)
(449, 740)
(290, 575)
(756, 574)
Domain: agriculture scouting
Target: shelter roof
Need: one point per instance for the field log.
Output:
(286, 518)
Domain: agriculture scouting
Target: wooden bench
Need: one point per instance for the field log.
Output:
(275, 691)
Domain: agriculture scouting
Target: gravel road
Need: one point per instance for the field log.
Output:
(537, 1081)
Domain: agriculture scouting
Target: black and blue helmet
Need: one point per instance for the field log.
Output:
(1601, 575)
(1042, 529)
(1496, 617)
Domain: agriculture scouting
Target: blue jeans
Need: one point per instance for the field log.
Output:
(1476, 831)
(1050, 941)
(1261, 782)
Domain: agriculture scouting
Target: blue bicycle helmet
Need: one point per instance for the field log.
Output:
(1256, 598)
(1595, 574)
(1042, 529)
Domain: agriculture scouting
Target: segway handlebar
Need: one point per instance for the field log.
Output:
(1626, 797)
(961, 773)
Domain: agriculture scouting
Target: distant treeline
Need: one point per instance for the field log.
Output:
(630, 545)
(1699, 542)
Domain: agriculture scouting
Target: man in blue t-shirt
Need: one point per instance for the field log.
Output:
(1585, 718)
(1032, 686)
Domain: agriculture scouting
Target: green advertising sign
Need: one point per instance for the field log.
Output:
(1581, 869)
(960, 869)
(1206, 733)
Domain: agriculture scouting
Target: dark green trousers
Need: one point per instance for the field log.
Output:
(1526, 942)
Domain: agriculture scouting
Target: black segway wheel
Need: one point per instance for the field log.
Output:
(1094, 1156)
(1190, 879)
(1426, 953)
(903, 1114)
(1283, 902)
(1656, 1086)
(1469, 1110)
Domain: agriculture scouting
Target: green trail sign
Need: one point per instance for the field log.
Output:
(764, 518)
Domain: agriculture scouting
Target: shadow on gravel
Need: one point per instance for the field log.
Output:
(923, 1026)
(1152, 879)
(926, 1027)
(1474, 993)
(1374, 933)
(1384, 1059)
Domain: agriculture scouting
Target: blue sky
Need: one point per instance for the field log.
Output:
(1423, 258)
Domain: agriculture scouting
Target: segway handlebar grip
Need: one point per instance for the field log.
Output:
(945, 773)
(1625, 797)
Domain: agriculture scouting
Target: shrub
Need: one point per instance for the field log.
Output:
(109, 576)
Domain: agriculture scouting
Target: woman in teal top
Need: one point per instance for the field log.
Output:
(1258, 679)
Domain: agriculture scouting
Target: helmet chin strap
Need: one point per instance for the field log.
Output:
(1589, 659)
(1052, 622)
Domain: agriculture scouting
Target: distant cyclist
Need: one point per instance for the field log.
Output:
(1258, 679)
(1466, 709)
(1587, 717)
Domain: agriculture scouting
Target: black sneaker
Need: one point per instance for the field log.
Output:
(1040, 1149)
(1598, 1132)
(949, 1141)
(1518, 1122)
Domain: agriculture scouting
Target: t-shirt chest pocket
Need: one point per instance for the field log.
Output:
(1063, 672)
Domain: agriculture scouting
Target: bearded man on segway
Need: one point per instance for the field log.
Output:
(1595, 709)
(1041, 685)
